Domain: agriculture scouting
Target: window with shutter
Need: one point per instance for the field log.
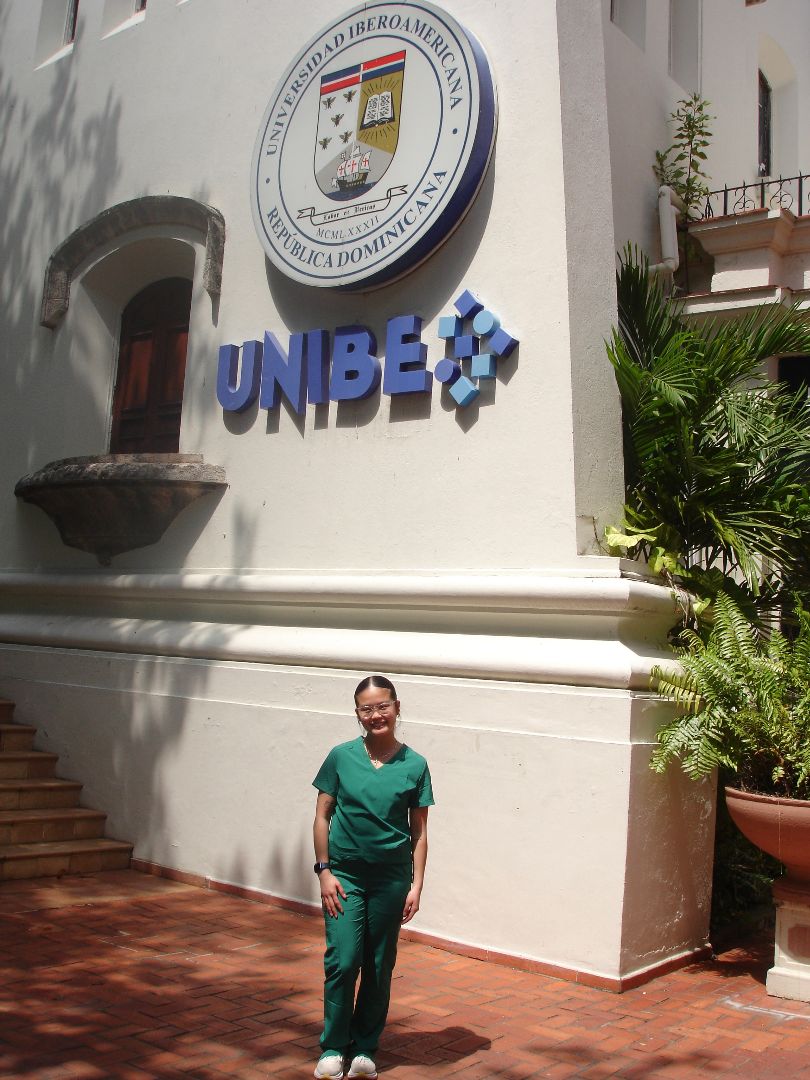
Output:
(764, 126)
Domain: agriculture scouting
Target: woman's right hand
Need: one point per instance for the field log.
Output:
(331, 892)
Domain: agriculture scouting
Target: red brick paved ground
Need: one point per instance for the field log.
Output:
(127, 976)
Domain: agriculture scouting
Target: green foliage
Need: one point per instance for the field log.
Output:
(743, 699)
(717, 458)
(717, 463)
(681, 164)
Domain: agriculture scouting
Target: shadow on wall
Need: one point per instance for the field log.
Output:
(305, 307)
(56, 399)
(38, 415)
(671, 820)
(199, 784)
(119, 738)
(47, 145)
(123, 736)
(288, 869)
(427, 292)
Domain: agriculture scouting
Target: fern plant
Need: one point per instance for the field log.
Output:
(743, 700)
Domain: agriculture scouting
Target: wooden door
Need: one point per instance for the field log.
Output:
(148, 397)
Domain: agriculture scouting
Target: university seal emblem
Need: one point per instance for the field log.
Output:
(358, 125)
(373, 146)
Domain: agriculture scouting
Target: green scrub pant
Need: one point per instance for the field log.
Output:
(363, 939)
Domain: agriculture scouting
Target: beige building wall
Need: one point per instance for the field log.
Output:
(194, 686)
(660, 51)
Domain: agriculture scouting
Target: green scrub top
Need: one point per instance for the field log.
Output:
(370, 822)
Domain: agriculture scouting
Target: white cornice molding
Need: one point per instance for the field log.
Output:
(608, 663)
(474, 590)
(598, 632)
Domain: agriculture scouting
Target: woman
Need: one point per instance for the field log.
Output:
(370, 849)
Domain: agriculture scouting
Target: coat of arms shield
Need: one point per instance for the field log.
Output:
(359, 112)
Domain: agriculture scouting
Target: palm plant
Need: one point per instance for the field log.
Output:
(717, 457)
(744, 705)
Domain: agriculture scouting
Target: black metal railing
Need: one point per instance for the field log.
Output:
(787, 193)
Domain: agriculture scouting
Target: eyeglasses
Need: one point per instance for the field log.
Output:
(383, 707)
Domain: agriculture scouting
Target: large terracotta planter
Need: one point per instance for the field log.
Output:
(779, 826)
(782, 828)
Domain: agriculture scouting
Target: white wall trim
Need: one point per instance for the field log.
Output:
(524, 592)
(572, 661)
(600, 632)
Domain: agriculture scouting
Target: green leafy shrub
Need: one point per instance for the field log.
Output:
(681, 164)
(743, 700)
(717, 457)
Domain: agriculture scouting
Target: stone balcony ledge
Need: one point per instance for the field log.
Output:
(117, 502)
(756, 248)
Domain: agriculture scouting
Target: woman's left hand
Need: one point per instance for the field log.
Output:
(411, 904)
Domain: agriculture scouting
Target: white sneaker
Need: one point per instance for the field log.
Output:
(331, 1067)
(362, 1065)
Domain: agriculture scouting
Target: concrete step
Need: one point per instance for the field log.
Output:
(43, 830)
(16, 737)
(28, 764)
(62, 857)
(38, 794)
(46, 826)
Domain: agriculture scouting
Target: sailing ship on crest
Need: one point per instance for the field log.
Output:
(352, 171)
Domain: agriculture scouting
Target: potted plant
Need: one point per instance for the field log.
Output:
(717, 503)
(743, 697)
(681, 167)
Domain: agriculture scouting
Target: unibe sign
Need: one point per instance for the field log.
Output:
(315, 371)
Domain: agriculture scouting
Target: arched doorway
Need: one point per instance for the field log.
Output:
(148, 397)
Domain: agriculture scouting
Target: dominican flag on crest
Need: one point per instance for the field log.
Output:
(369, 69)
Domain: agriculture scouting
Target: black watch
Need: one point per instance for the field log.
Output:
(319, 866)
